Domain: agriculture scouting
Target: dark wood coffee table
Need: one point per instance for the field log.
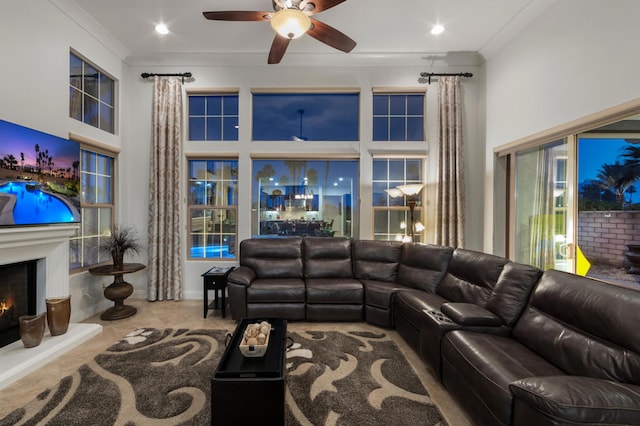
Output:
(250, 391)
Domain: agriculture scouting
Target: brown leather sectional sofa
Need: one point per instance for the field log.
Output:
(513, 345)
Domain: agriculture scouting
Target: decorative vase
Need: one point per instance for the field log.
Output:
(118, 260)
(31, 329)
(58, 314)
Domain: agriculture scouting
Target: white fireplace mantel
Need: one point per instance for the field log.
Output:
(49, 246)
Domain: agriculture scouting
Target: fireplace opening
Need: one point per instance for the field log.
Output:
(18, 297)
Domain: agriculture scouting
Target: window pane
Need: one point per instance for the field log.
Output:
(75, 103)
(104, 164)
(106, 90)
(196, 105)
(196, 128)
(90, 223)
(88, 184)
(230, 104)
(380, 170)
(90, 80)
(313, 116)
(90, 251)
(415, 104)
(380, 197)
(414, 129)
(380, 221)
(103, 190)
(414, 170)
(305, 197)
(396, 129)
(214, 129)
(380, 129)
(90, 111)
(380, 105)
(230, 130)
(75, 71)
(397, 105)
(214, 105)
(106, 118)
(88, 161)
(397, 171)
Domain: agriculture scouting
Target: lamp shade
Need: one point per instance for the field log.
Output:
(393, 192)
(290, 23)
(411, 189)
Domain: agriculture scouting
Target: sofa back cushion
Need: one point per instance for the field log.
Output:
(583, 326)
(376, 260)
(423, 266)
(512, 291)
(471, 276)
(327, 257)
(273, 257)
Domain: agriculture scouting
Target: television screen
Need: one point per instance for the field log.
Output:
(39, 177)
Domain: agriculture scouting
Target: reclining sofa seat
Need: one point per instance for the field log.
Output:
(269, 281)
(573, 358)
(332, 294)
(479, 292)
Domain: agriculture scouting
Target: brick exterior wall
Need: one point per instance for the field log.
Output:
(603, 235)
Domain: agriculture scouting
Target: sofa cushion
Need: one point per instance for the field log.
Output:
(574, 399)
(376, 260)
(273, 258)
(334, 290)
(423, 266)
(511, 292)
(327, 257)
(278, 290)
(584, 326)
(471, 276)
(380, 293)
(487, 364)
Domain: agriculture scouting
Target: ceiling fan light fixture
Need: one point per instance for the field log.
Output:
(290, 23)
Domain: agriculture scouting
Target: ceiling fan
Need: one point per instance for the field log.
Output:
(291, 19)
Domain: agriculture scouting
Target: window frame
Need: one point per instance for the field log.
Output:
(223, 93)
(83, 94)
(191, 207)
(80, 236)
(406, 92)
(402, 206)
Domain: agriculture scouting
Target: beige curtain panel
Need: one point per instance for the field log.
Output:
(450, 185)
(165, 251)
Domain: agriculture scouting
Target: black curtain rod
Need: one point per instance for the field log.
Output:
(178, 74)
(428, 75)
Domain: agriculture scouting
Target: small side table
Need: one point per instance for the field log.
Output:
(216, 279)
(118, 290)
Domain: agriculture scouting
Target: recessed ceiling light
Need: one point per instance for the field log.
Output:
(437, 29)
(162, 29)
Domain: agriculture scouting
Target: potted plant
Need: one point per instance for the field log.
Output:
(121, 240)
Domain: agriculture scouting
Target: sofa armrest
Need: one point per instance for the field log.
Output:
(577, 399)
(470, 314)
(242, 275)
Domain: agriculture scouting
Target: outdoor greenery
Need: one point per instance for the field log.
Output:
(613, 187)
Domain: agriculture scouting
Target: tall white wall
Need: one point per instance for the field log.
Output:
(37, 36)
(34, 92)
(579, 57)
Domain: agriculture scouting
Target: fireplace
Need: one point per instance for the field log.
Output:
(17, 297)
(46, 249)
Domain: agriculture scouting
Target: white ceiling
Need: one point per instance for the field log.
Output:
(380, 27)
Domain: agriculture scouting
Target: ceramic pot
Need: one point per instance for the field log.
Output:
(31, 329)
(58, 314)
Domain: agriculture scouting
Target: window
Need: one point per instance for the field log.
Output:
(213, 208)
(91, 95)
(213, 117)
(305, 116)
(96, 209)
(391, 216)
(398, 117)
(305, 197)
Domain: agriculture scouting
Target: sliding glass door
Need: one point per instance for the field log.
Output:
(543, 222)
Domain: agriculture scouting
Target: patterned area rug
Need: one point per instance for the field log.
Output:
(163, 377)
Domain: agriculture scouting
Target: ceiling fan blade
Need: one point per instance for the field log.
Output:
(330, 36)
(278, 47)
(238, 15)
(318, 5)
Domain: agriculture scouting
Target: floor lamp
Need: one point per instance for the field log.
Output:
(410, 191)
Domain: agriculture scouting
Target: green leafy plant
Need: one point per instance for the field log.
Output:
(121, 240)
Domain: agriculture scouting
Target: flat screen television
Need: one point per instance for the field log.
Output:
(39, 177)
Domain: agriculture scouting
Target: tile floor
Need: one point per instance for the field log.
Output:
(188, 314)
